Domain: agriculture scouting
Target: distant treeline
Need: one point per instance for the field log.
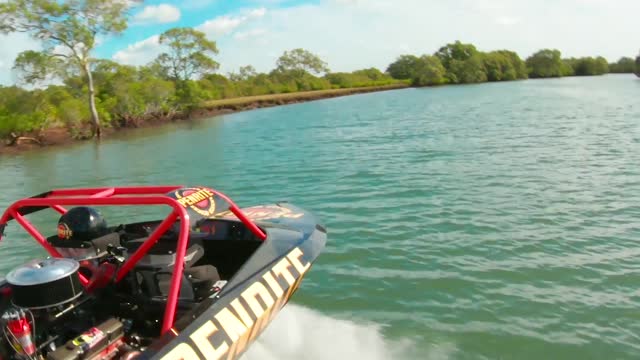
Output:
(99, 93)
(126, 96)
(625, 65)
(459, 63)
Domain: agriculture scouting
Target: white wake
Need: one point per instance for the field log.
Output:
(300, 333)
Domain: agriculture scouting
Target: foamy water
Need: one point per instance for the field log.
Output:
(301, 333)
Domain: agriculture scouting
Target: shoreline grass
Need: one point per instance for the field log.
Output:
(297, 96)
(57, 136)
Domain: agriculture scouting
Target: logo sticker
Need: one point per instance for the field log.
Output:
(64, 232)
(199, 200)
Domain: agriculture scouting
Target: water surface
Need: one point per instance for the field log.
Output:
(466, 222)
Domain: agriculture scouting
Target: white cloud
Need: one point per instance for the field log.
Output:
(256, 13)
(220, 26)
(12, 45)
(249, 34)
(356, 34)
(360, 35)
(223, 25)
(140, 53)
(157, 14)
(508, 20)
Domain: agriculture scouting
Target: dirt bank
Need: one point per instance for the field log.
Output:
(62, 136)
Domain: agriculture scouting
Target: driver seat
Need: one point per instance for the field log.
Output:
(152, 274)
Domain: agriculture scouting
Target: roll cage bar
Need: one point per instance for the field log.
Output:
(133, 195)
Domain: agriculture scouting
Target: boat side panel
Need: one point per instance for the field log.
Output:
(234, 321)
(283, 214)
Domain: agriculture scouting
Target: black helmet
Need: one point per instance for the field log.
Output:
(82, 224)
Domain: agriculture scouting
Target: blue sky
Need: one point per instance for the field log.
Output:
(355, 34)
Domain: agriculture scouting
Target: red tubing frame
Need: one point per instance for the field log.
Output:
(133, 195)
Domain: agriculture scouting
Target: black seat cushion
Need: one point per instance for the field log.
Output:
(202, 278)
(197, 283)
(203, 273)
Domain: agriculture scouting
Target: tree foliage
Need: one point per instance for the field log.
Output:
(467, 71)
(300, 61)
(21, 110)
(359, 78)
(67, 32)
(244, 73)
(623, 65)
(189, 54)
(504, 65)
(372, 74)
(421, 71)
(587, 66)
(458, 63)
(403, 67)
(545, 63)
(455, 51)
(428, 71)
(566, 69)
(36, 66)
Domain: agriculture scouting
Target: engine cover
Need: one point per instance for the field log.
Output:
(41, 284)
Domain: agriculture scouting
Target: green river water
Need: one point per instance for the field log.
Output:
(493, 221)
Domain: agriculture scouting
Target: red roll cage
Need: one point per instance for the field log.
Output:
(133, 195)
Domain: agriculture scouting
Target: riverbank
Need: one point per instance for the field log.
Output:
(58, 136)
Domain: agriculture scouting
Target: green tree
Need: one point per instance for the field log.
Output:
(130, 94)
(504, 65)
(601, 66)
(341, 80)
(623, 65)
(189, 54)
(586, 66)
(21, 110)
(371, 73)
(422, 71)
(455, 51)
(244, 73)
(518, 64)
(498, 67)
(567, 68)
(218, 87)
(428, 71)
(67, 31)
(463, 63)
(403, 67)
(545, 63)
(300, 61)
(359, 78)
(467, 71)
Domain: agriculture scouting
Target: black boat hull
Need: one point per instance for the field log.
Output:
(225, 325)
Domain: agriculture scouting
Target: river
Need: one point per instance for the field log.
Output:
(465, 222)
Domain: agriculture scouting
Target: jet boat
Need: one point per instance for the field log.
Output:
(202, 283)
